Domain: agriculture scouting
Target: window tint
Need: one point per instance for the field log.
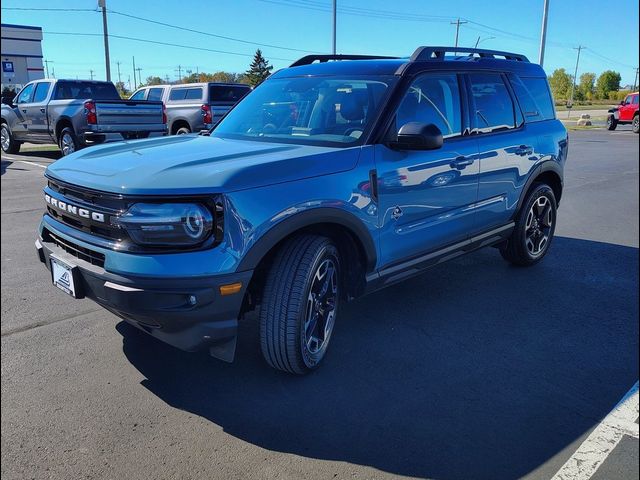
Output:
(25, 94)
(193, 94)
(66, 90)
(493, 105)
(139, 95)
(177, 94)
(227, 93)
(634, 100)
(155, 94)
(433, 99)
(42, 89)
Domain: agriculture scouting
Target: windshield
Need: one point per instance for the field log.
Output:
(325, 111)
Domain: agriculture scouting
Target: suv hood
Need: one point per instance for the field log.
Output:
(191, 164)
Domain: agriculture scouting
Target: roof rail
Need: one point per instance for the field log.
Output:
(325, 58)
(429, 54)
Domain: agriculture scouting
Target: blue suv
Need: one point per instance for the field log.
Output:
(337, 176)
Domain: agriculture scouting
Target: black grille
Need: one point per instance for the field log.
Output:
(81, 253)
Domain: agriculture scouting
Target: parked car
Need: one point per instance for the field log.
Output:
(335, 177)
(74, 114)
(626, 113)
(193, 107)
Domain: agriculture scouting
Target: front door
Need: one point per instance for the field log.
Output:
(426, 198)
(20, 127)
(38, 126)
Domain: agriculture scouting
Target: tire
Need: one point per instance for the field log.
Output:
(68, 142)
(635, 124)
(612, 123)
(300, 304)
(534, 229)
(183, 131)
(9, 144)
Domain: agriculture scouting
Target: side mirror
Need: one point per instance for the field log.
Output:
(418, 136)
(622, 102)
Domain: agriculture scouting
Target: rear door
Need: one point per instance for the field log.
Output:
(38, 126)
(507, 148)
(426, 198)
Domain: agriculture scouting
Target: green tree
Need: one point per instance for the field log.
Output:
(123, 91)
(259, 69)
(587, 85)
(153, 80)
(560, 83)
(608, 81)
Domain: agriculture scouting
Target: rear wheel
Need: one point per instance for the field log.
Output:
(612, 123)
(534, 229)
(8, 143)
(635, 124)
(300, 304)
(68, 142)
(183, 131)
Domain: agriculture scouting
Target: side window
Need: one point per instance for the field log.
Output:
(139, 95)
(494, 109)
(42, 90)
(433, 98)
(155, 94)
(538, 88)
(177, 94)
(25, 94)
(193, 94)
(634, 100)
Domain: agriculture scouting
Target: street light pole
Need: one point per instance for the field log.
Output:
(103, 5)
(543, 35)
(335, 17)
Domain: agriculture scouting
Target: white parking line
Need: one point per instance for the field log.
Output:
(32, 163)
(604, 438)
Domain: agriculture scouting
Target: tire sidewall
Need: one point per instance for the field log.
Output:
(611, 122)
(183, 131)
(10, 135)
(634, 125)
(313, 360)
(68, 131)
(536, 193)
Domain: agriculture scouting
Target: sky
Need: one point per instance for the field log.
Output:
(289, 29)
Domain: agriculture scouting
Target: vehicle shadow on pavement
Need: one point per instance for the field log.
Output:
(475, 369)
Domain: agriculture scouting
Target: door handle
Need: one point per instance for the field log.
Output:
(24, 110)
(460, 163)
(42, 110)
(524, 150)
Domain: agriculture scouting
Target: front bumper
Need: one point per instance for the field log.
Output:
(189, 313)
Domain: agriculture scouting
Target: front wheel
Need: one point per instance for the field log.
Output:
(612, 123)
(8, 143)
(635, 125)
(300, 304)
(534, 229)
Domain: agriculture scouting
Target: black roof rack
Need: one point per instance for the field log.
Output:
(430, 54)
(325, 58)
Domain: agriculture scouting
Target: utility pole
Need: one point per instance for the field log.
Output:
(46, 64)
(103, 4)
(335, 21)
(457, 23)
(139, 70)
(166, 78)
(135, 84)
(579, 48)
(635, 81)
(118, 64)
(129, 81)
(543, 35)
(91, 73)
(179, 70)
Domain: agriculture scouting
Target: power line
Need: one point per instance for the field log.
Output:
(51, 9)
(123, 37)
(186, 29)
(457, 23)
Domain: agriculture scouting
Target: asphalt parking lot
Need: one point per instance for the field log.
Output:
(475, 370)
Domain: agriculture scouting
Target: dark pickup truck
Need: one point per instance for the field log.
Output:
(74, 114)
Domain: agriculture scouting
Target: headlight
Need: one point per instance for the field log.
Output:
(166, 224)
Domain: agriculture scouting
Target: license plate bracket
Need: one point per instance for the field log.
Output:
(66, 277)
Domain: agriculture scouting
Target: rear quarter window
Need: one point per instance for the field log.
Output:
(179, 94)
(227, 93)
(534, 97)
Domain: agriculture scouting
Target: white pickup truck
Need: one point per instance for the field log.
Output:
(74, 114)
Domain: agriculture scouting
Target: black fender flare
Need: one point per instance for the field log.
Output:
(547, 166)
(309, 218)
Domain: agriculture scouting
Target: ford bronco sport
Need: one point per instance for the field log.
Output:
(337, 176)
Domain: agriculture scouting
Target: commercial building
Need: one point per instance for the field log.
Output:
(21, 54)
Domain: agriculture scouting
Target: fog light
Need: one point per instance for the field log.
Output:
(192, 299)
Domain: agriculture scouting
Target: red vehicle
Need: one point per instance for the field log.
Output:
(626, 113)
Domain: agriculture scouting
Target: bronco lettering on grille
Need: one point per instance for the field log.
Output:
(73, 209)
